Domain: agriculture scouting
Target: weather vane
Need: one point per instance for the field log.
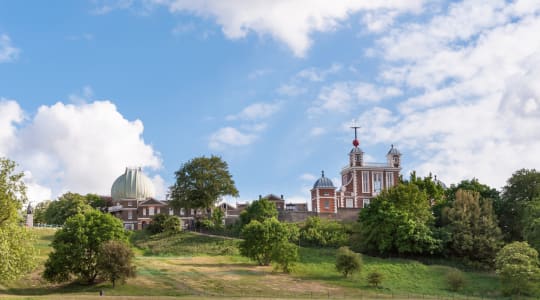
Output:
(354, 125)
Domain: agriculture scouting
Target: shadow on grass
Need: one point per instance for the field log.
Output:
(73, 287)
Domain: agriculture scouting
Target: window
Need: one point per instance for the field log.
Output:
(349, 203)
(130, 203)
(389, 179)
(365, 202)
(130, 214)
(182, 211)
(365, 182)
(327, 204)
(171, 211)
(326, 194)
(158, 210)
(377, 182)
(192, 212)
(151, 210)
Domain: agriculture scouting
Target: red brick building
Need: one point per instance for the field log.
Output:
(360, 181)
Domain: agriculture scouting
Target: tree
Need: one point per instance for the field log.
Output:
(397, 221)
(323, 233)
(531, 229)
(269, 241)
(115, 261)
(40, 210)
(76, 246)
(16, 243)
(162, 222)
(521, 189)
(67, 205)
(519, 269)
(201, 182)
(474, 234)
(259, 210)
(12, 191)
(375, 279)
(348, 262)
(95, 201)
(455, 279)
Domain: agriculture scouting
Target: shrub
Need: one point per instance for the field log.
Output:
(347, 261)
(161, 223)
(455, 279)
(323, 233)
(519, 269)
(375, 279)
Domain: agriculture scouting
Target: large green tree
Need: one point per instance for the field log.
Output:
(201, 182)
(473, 230)
(17, 250)
(76, 246)
(397, 221)
(269, 241)
(531, 228)
(259, 210)
(67, 205)
(40, 210)
(520, 191)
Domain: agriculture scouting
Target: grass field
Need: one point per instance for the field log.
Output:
(192, 266)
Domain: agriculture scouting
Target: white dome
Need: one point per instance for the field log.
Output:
(133, 184)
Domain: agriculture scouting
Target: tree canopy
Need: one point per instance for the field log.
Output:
(201, 182)
(115, 261)
(67, 205)
(522, 189)
(16, 243)
(259, 210)
(519, 269)
(76, 246)
(397, 221)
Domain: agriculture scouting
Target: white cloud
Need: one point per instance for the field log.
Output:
(75, 147)
(8, 52)
(308, 177)
(291, 22)
(229, 136)
(84, 96)
(472, 73)
(10, 114)
(315, 74)
(317, 131)
(256, 111)
(291, 90)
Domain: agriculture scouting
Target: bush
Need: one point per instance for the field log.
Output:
(455, 280)
(161, 223)
(375, 279)
(519, 269)
(347, 261)
(323, 233)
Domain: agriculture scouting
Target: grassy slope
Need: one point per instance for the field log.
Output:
(188, 264)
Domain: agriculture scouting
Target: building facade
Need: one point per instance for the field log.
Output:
(360, 182)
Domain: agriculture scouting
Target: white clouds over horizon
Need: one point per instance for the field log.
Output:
(79, 147)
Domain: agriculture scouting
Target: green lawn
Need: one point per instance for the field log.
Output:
(190, 266)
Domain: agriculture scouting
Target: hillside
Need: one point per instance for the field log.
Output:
(189, 265)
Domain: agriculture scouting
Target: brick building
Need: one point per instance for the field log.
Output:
(360, 181)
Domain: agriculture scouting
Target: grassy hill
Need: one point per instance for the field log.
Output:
(193, 266)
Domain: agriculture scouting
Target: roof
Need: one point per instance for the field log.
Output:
(133, 184)
(393, 151)
(356, 150)
(323, 182)
(272, 197)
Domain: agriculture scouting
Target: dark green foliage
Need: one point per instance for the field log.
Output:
(76, 246)
(95, 201)
(473, 232)
(67, 205)
(267, 241)
(520, 190)
(215, 222)
(259, 210)
(519, 269)
(115, 262)
(164, 223)
(323, 233)
(455, 279)
(39, 212)
(397, 222)
(531, 221)
(375, 279)
(201, 182)
(348, 262)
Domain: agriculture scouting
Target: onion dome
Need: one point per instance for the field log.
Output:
(393, 151)
(323, 182)
(133, 184)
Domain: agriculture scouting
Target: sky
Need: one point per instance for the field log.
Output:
(88, 88)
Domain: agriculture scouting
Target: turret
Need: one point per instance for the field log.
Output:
(394, 157)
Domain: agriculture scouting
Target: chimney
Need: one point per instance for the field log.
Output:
(281, 197)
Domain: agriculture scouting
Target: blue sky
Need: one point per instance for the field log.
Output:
(89, 87)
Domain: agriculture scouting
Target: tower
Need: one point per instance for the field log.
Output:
(323, 196)
(393, 157)
(356, 156)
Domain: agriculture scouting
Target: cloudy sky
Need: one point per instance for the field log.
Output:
(88, 88)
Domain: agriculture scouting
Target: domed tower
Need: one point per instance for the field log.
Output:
(133, 185)
(323, 196)
(394, 157)
(356, 156)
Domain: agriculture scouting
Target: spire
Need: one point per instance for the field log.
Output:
(322, 172)
(355, 127)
